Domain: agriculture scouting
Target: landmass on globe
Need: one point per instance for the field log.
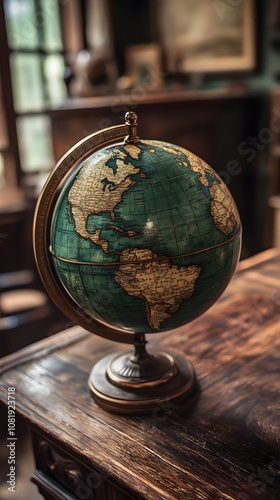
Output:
(125, 206)
(162, 285)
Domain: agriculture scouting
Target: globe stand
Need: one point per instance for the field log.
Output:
(142, 381)
(139, 382)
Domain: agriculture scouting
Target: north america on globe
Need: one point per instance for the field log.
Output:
(145, 236)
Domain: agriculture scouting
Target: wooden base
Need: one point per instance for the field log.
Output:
(140, 398)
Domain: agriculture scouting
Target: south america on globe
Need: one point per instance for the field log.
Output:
(145, 237)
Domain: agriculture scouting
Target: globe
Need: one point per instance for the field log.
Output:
(132, 237)
(145, 236)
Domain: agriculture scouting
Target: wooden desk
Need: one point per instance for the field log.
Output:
(224, 444)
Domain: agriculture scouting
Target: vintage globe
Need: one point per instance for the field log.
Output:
(144, 236)
(132, 237)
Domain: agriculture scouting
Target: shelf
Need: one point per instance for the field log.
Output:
(161, 96)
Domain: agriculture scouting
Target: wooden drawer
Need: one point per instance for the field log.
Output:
(61, 476)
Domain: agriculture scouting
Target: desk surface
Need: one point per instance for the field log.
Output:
(224, 444)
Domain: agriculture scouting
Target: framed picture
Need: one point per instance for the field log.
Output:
(143, 65)
(207, 35)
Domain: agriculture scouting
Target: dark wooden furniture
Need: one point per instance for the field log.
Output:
(223, 444)
(273, 209)
(26, 312)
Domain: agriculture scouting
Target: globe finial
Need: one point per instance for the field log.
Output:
(131, 120)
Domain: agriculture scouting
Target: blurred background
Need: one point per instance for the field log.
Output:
(203, 74)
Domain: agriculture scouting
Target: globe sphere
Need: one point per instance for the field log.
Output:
(145, 237)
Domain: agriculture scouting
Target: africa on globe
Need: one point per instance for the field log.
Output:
(144, 236)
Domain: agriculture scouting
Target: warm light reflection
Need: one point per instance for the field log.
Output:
(149, 225)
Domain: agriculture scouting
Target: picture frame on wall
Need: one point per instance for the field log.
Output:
(202, 36)
(143, 65)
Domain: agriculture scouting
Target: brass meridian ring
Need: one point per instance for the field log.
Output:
(41, 231)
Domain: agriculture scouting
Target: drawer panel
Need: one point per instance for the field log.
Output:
(61, 476)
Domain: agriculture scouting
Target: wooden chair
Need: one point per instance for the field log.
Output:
(26, 313)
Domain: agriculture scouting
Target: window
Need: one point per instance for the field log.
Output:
(37, 72)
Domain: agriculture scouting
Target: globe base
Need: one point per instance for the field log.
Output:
(124, 384)
(129, 371)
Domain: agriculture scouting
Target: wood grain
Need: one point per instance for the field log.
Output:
(224, 443)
